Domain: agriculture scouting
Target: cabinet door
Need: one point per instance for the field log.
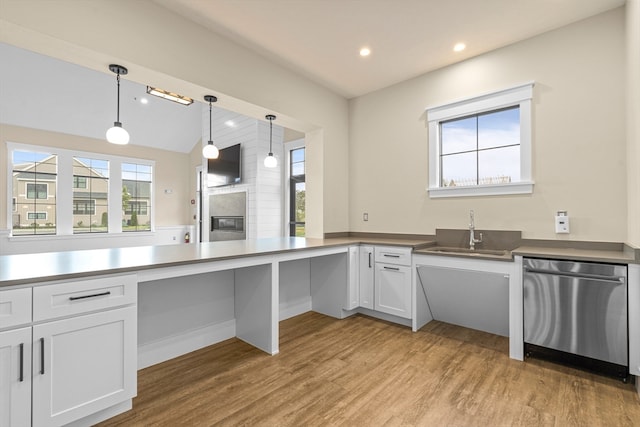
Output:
(83, 365)
(15, 377)
(393, 289)
(353, 287)
(366, 276)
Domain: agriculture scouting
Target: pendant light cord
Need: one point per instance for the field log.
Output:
(118, 107)
(270, 136)
(210, 122)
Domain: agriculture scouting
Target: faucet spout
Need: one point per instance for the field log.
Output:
(472, 228)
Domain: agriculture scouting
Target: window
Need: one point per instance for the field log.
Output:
(84, 207)
(136, 197)
(79, 182)
(66, 192)
(297, 192)
(36, 191)
(36, 215)
(137, 206)
(90, 195)
(481, 146)
(34, 179)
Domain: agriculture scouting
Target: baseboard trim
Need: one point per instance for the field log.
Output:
(174, 346)
(295, 308)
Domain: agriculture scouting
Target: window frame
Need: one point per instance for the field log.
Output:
(64, 191)
(290, 189)
(520, 96)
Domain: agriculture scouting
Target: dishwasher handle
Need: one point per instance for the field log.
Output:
(600, 277)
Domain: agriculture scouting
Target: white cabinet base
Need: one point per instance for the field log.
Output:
(15, 377)
(88, 364)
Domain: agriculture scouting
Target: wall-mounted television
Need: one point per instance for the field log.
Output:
(225, 170)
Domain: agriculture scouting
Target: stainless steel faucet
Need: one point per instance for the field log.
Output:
(472, 228)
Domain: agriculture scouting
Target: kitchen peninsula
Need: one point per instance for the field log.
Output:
(101, 315)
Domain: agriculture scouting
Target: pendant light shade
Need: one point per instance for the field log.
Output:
(210, 151)
(270, 161)
(117, 134)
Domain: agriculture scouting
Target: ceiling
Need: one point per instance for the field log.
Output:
(320, 39)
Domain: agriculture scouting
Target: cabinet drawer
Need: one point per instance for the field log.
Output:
(70, 298)
(393, 255)
(15, 307)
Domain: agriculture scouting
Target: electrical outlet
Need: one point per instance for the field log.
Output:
(365, 216)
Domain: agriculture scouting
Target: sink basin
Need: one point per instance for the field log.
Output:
(467, 251)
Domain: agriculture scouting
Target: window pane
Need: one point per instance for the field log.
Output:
(34, 178)
(499, 128)
(136, 197)
(459, 170)
(458, 135)
(297, 155)
(90, 195)
(297, 169)
(499, 165)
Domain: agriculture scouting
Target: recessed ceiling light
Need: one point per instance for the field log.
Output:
(365, 51)
(459, 47)
(230, 123)
(144, 101)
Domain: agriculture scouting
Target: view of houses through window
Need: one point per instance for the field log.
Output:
(37, 191)
(297, 192)
(136, 197)
(90, 195)
(35, 177)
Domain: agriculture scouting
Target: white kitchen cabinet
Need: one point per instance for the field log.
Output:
(82, 365)
(15, 377)
(393, 289)
(353, 288)
(72, 352)
(366, 276)
(392, 293)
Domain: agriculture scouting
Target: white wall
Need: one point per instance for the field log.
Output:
(579, 148)
(633, 120)
(159, 46)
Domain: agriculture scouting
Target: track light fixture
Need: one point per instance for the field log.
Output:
(117, 134)
(270, 161)
(210, 151)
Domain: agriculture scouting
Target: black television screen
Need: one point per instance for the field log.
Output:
(225, 170)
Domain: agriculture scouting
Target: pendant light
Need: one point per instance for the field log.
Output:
(210, 151)
(270, 161)
(117, 134)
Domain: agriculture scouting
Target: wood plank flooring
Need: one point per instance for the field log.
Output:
(361, 371)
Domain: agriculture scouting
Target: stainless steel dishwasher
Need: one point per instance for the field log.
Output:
(576, 313)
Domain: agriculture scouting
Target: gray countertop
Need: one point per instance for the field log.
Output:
(30, 268)
(40, 267)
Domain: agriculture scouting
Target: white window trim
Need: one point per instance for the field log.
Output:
(288, 146)
(520, 95)
(64, 199)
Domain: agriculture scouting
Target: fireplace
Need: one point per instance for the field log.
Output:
(227, 216)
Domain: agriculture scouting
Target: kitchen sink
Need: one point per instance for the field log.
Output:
(467, 251)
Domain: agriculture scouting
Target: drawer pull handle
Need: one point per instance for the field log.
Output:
(391, 256)
(369, 259)
(90, 296)
(392, 268)
(41, 356)
(21, 379)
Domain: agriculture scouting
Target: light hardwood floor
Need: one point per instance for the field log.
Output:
(365, 372)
